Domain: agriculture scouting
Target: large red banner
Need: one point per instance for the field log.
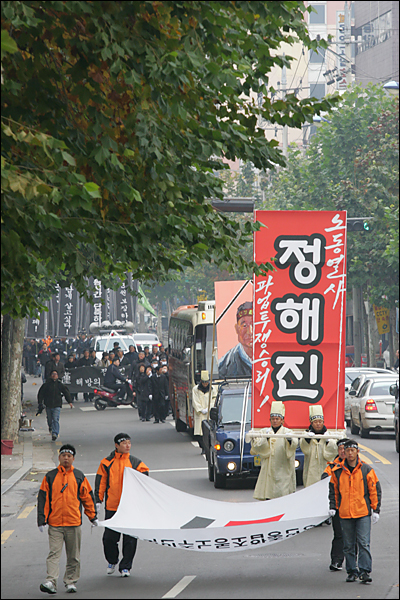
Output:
(299, 316)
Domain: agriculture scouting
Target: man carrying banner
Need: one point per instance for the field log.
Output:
(337, 555)
(277, 476)
(317, 452)
(200, 396)
(63, 492)
(237, 362)
(108, 487)
(355, 492)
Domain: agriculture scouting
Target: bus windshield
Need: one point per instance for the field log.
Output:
(203, 352)
(232, 407)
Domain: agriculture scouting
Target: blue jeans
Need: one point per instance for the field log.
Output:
(357, 532)
(43, 367)
(53, 419)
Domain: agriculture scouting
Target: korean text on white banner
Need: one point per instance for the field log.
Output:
(299, 316)
(189, 522)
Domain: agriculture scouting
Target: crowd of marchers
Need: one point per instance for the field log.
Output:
(143, 382)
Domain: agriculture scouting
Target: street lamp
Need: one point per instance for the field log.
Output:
(392, 87)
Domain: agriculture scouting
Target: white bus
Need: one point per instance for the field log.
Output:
(190, 339)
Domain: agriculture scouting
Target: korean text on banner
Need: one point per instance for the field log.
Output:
(190, 522)
(299, 316)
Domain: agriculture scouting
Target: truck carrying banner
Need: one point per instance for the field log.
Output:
(188, 522)
(299, 316)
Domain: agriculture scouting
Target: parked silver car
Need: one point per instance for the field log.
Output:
(372, 407)
(354, 378)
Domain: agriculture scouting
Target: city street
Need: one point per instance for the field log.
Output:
(297, 568)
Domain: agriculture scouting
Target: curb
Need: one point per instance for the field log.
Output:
(26, 463)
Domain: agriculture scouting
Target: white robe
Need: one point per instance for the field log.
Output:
(316, 455)
(277, 476)
(200, 401)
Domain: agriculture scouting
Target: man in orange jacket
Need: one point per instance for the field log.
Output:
(337, 555)
(355, 491)
(108, 487)
(59, 505)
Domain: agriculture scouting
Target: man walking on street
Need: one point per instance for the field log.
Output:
(108, 487)
(355, 491)
(337, 555)
(50, 396)
(59, 505)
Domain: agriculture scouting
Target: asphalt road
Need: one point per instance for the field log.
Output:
(296, 568)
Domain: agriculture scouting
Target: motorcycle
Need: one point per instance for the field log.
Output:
(105, 396)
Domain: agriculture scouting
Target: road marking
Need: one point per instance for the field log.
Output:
(195, 444)
(381, 458)
(126, 406)
(26, 512)
(179, 587)
(86, 408)
(365, 459)
(5, 535)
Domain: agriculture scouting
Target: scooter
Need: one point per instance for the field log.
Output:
(105, 396)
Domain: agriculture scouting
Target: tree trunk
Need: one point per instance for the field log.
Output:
(11, 360)
(373, 334)
(366, 333)
(393, 336)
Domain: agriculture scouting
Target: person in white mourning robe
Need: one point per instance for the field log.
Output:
(317, 451)
(277, 476)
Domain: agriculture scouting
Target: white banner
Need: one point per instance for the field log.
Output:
(152, 511)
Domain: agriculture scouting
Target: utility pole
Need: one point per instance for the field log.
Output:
(285, 127)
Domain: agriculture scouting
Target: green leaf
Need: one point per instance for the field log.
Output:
(8, 44)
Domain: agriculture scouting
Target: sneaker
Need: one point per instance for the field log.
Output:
(110, 569)
(335, 566)
(71, 588)
(162, 421)
(48, 587)
(156, 422)
(365, 577)
(54, 437)
(125, 573)
(351, 577)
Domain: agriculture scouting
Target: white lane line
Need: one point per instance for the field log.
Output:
(86, 408)
(179, 587)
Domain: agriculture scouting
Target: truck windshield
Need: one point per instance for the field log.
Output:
(232, 406)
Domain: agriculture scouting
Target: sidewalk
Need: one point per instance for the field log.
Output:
(29, 453)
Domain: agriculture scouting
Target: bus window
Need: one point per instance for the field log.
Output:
(203, 352)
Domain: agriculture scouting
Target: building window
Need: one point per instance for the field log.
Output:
(317, 57)
(317, 90)
(317, 18)
(373, 33)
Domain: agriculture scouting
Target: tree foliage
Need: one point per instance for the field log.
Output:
(114, 115)
(352, 163)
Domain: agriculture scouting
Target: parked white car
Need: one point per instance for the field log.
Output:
(372, 407)
(354, 378)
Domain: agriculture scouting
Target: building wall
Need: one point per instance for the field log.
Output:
(380, 62)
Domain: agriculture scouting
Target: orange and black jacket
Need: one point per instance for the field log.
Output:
(354, 493)
(329, 467)
(110, 475)
(61, 496)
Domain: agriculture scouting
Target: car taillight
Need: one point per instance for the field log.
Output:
(370, 405)
(95, 391)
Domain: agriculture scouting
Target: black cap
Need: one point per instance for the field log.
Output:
(121, 437)
(351, 444)
(67, 448)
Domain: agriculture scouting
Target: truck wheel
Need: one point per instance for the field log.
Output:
(363, 432)
(180, 425)
(219, 480)
(99, 404)
(353, 427)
